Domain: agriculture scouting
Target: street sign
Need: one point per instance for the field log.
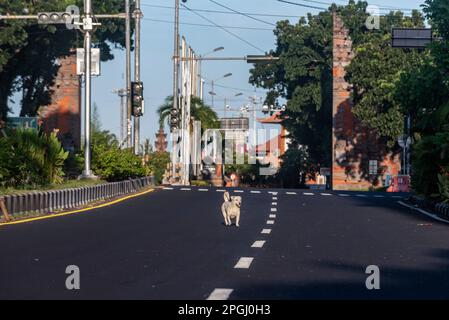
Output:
(234, 123)
(23, 122)
(325, 171)
(373, 167)
(404, 141)
(95, 61)
(411, 38)
(261, 59)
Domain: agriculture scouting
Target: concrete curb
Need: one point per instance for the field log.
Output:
(44, 202)
(441, 209)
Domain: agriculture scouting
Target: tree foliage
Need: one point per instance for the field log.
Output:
(375, 72)
(30, 158)
(423, 90)
(29, 52)
(198, 110)
(303, 76)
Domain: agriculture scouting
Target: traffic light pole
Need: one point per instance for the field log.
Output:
(137, 16)
(87, 28)
(128, 73)
(175, 86)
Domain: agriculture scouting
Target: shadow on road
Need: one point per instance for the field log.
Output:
(396, 283)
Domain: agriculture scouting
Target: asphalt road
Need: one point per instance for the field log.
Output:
(172, 244)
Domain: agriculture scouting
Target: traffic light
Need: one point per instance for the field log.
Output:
(174, 119)
(137, 99)
(54, 17)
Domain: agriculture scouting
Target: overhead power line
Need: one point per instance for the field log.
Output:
(381, 7)
(224, 29)
(302, 5)
(226, 12)
(209, 25)
(242, 13)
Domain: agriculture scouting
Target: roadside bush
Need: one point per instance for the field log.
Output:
(29, 158)
(157, 162)
(443, 186)
(114, 164)
(431, 160)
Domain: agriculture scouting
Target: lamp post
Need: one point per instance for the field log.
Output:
(212, 93)
(200, 78)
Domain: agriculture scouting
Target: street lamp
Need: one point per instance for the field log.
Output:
(200, 78)
(227, 75)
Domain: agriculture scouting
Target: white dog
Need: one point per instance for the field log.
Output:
(231, 209)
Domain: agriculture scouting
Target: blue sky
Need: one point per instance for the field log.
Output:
(157, 49)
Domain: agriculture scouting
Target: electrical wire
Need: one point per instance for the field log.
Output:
(242, 13)
(225, 12)
(209, 25)
(224, 29)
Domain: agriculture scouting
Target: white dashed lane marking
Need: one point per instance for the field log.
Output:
(219, 190)
(258, 244)
(266, 231)
(167, 188)
(203, 190)
(186, 189)
(255, 192)
(326, 194)
(274, 203)
(344, 195)
(272, 216)
(239, 191)
(270, 221)
(244, 263)
(308, 194)
(291, 193)
(220, 294)
(275, 198)
(274, 210)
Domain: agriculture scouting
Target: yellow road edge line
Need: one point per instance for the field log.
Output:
(49, 216)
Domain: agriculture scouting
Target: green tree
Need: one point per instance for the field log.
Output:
(423, 90)
(303, 77)
(29, 51)
(375, 72)
(198, 111)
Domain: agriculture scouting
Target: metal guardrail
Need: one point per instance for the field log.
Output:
(57, 200)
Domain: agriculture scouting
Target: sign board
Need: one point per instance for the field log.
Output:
(373, 167)
(325, 171)
(411, 38)
(404, 141)
(95, 60)
(23, 122)
(234, 123)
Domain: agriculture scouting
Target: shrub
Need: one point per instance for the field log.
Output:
(430, 159)
(114, 164)
(30, 158)
(157, 162)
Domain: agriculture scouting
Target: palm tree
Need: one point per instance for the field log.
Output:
(164, 111)
(198, 111)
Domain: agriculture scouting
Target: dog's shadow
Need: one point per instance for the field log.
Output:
(232, 224)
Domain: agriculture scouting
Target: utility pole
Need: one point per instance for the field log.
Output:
(137, 16)
(87, 27)
(175, 86)
(128, 73)
(122, 94)
(213, 92)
